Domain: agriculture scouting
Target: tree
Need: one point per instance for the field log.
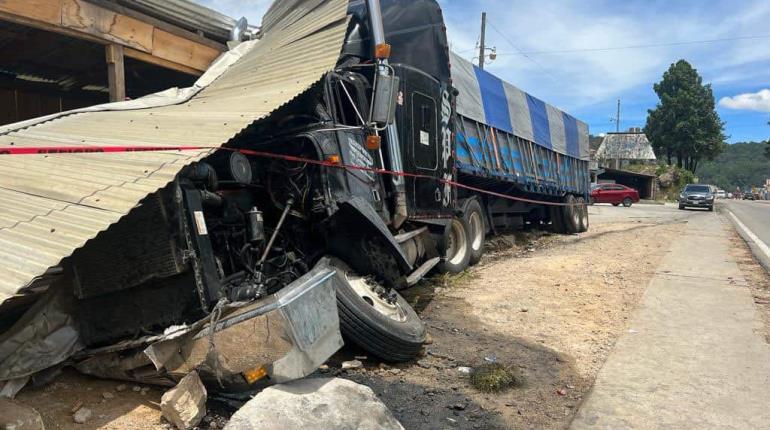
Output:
(767, 148)
(685, 126)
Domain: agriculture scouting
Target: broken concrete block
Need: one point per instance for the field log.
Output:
(15, 416)
(185, 405)
(82, 415)
(323, 403)
(352, 364)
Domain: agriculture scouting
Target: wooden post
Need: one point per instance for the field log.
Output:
(116, 74)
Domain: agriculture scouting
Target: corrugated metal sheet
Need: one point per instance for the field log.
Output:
(625, 146)
(53, 204)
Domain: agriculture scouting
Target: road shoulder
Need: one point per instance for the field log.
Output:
(695, 356)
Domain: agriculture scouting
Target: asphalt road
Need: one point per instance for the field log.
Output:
(753, 222)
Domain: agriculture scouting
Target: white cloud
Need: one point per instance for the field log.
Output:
(580, 80)
(759, 101)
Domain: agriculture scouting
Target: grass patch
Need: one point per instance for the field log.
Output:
(495, 377)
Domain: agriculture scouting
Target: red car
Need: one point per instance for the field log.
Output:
(614, 193)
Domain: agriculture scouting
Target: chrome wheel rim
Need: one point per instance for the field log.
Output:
(458, 245)
(368, 291)
(476, 230)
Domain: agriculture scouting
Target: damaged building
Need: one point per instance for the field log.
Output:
(59, 55)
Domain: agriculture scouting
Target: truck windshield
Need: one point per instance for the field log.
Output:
(697, 189)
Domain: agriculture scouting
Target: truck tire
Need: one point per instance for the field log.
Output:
(583, 215)
(571, 215)
(455, 247)
(556, 214)
(474, 216)
(377, 319)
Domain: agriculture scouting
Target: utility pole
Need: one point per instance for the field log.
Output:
(617, 119)
(482, 48)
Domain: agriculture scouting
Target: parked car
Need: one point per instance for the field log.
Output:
(697, 196)
(615, 194)
(748, 196)
(721, 194)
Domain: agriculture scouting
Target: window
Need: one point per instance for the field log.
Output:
(424, 132)
(350, 100)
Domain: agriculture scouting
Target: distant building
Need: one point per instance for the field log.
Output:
(618, 150)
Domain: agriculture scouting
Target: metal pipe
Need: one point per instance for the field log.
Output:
(391, 131)
(277, 229)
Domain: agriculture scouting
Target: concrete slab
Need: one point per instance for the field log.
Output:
(695, 355)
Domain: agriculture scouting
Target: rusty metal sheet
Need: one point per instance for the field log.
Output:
(53, 204)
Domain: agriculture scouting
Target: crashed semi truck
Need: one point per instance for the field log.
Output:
(238, 227)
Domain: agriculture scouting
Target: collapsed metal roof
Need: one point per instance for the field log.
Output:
(54, 203)
(625, 146)
(188, 15)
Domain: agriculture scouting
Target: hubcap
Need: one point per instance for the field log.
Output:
(457, 243)
(476, 230)
(378, 297)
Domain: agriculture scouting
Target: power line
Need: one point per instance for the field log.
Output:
(535, 62)
(643, 46)
(510, 42)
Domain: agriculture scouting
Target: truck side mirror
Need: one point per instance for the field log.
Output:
(385, 97)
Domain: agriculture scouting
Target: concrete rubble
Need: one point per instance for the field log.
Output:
(315, 403)
(82, 415)
(184, 406)
(15, 416)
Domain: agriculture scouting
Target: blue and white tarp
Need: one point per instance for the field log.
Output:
(488, 99)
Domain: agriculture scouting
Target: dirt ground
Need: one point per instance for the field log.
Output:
(549, 306)
(552, 308)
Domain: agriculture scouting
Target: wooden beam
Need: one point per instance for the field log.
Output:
(166, 64)
(88, 21)
(116, 74)
(163, 25)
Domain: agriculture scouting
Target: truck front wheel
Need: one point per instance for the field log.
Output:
(376, 318)
(455, 247)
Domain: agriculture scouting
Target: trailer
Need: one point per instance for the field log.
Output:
(377, 159)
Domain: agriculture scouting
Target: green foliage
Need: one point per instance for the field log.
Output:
(741, 165)
(594, 142)
(685, 126)
(767, 146)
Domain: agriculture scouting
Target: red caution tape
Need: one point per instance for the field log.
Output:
(113, 149)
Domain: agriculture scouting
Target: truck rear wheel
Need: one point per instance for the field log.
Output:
(474, 216)
(571, 215)
(455, 247)
(557, 219)
(376, 318)
(583, 214)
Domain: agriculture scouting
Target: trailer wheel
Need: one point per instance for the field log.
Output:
(474, 216)
(376, 318)
(455, 247)
(571, 215)
(583, 214)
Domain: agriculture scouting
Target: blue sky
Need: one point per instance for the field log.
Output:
(588, 83)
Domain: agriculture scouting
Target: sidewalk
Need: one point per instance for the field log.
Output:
(695, 354)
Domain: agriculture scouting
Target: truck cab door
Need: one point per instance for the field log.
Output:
(424, 117)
